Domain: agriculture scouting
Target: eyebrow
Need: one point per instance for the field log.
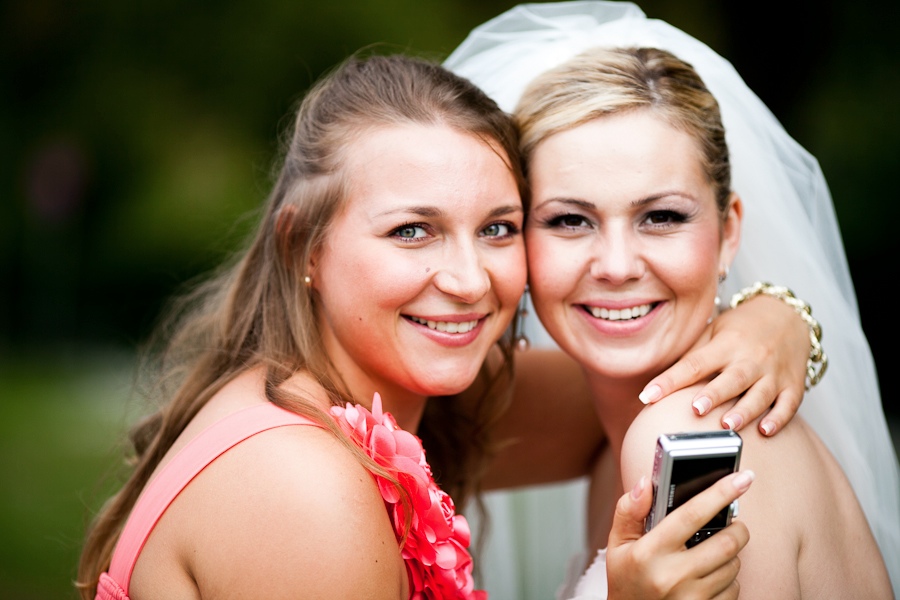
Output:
(635, 203)
(433, 212)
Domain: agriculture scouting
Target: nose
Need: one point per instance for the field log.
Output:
(463, 274)
(616, 257)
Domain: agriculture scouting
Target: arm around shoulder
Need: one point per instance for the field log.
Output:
(551, 431)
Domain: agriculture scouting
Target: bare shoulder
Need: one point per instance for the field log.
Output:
(672, 414)
(809, 537)
(290, 508)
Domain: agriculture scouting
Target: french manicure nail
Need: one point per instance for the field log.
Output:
(702, 405)
(767, 427)
(650, 394)
(638, 488)
(733, 421)
(743, 480)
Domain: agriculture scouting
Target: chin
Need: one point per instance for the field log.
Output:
(618, 366)
(450, 383)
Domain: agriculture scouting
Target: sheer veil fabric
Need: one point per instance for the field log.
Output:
(790, 233)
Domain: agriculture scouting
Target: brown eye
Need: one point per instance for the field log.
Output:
(661, 217)
(569, 221)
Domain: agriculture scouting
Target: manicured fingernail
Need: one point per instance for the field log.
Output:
(733, 421)
(767, 427)
(702, 405)
(743, 480)
(650, 394)
(638, 488)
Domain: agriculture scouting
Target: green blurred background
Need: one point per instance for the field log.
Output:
(135, 137)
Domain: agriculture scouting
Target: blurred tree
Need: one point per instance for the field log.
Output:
(135, 138)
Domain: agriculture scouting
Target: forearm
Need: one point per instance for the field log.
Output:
(551, 432)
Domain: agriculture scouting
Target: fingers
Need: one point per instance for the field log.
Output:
(721, 584)
(731, 383)
(786, 406)
(631, 509)
(658, 565)
(714, 564)
(754, 402)
(687, 519)
(694, 366)
(731, 591)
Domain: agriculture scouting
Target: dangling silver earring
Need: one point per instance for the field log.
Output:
(723, 275)
(522, 342)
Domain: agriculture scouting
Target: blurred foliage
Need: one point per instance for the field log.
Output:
(135, 136)
(60, 425)
(137, 139)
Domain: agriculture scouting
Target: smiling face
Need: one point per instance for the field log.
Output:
(422, 270)
(625, 243)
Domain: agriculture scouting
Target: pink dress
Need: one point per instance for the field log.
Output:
(435, 546)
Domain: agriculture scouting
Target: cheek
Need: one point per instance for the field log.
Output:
(554, 267)
(696, 275)
(509, 276)
(356, 278)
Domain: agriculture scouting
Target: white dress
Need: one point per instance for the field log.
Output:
(790, 233)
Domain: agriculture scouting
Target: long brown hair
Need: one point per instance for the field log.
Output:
(258, 310)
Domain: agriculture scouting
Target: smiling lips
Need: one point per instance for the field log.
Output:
(447, 326)
(622, 314)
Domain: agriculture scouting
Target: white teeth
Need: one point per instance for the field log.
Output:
(447, 326)
(624, 314)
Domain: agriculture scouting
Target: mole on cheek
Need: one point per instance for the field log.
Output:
(427, 269)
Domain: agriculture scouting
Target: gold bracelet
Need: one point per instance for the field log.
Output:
(817, 361)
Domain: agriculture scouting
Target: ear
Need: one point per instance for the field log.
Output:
(731, 229)
(310, 270)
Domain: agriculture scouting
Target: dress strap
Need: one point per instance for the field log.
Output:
(187, 464)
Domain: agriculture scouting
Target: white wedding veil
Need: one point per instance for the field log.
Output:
(790, 232)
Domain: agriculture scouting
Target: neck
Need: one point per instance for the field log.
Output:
(616, 403)
(405, 406)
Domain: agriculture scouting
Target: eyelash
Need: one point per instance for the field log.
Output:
(395, 233)
(668, 217)
(512, 230)
(558, 221)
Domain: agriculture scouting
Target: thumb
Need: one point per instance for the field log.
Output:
(628, 522)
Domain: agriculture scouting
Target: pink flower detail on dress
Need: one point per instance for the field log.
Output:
(436, 548)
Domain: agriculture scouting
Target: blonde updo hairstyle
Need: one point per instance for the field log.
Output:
(601, 82)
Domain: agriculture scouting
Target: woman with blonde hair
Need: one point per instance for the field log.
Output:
(790, 233)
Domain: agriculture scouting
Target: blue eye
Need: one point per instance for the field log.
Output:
(499, 230)
(410, 232)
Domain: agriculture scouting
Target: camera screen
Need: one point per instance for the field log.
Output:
(691, 476)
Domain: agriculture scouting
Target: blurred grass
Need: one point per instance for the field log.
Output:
(61, 423)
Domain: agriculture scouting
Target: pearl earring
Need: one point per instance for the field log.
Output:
(522, 342)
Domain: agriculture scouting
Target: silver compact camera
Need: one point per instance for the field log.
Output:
(685, 464)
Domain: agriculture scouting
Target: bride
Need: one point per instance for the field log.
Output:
(789, 207)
